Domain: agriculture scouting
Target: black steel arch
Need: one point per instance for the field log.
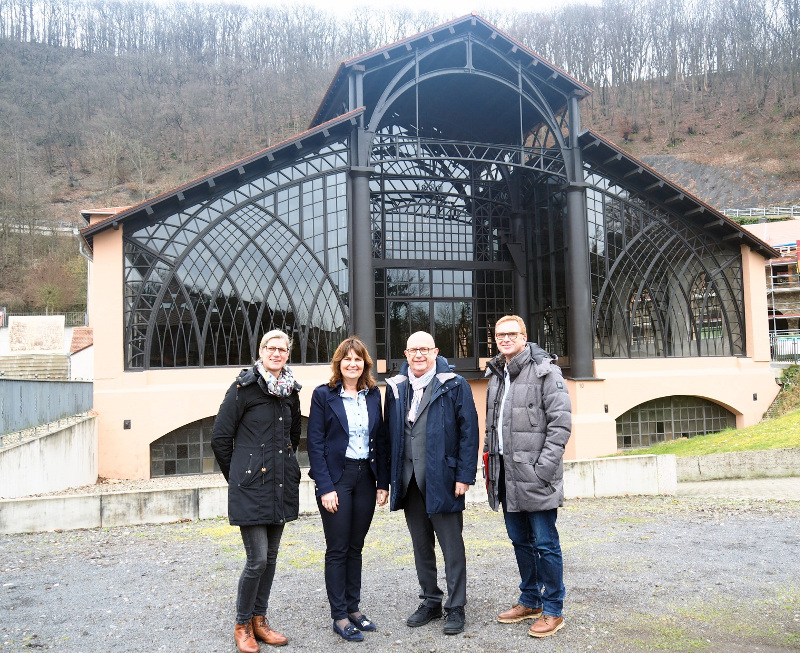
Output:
(541, 158)
(205, 280)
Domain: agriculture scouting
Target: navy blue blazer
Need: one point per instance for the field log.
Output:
(328, 436)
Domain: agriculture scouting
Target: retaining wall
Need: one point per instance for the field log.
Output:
(767, 463)
(61, 459)
(583, 478)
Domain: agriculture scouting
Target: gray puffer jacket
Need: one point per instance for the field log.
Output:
(537, 422)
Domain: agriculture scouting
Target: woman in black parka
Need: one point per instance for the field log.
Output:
(255, 439)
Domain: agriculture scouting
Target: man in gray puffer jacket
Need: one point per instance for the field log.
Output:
(528, 424)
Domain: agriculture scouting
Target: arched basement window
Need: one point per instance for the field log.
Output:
(187, 450)
(670, 418)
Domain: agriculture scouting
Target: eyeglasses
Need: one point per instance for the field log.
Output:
(506, 336)
(419, 350)
(279, 350)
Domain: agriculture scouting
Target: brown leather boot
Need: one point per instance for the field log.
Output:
(264, 633)
(243, 634)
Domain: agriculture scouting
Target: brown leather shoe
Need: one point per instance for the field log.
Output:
(243, 634)
(265, 634)
(545, 626)
(518, 613)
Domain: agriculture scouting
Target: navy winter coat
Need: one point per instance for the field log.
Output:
(452, 439)
(329, 435)
(255, 440)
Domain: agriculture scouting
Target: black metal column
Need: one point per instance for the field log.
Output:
(579, 293)
(362, 288)
(518, 248)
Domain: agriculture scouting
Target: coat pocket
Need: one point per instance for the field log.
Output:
(524, 463)
(247, 476)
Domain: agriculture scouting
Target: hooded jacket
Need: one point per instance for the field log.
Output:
(255, 440)
(451, 453)
(537, 422)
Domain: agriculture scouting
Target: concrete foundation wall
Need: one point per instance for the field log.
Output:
(740, 464)
(620, 476)
(583, 478)
(63, 459)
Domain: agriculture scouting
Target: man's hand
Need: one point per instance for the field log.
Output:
(461, 489)
(383, 497)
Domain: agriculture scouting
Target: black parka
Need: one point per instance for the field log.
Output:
(255, 441)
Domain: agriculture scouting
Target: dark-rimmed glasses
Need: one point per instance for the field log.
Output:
(507, 336)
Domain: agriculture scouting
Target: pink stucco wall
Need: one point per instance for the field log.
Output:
(159, 401)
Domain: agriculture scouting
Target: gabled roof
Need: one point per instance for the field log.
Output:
(608, 157)
(82, 337)
(484, 31)
(222, 179)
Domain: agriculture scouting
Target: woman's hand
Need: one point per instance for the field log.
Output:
(330, 501)
(383, 497)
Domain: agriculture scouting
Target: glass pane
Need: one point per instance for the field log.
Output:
(465, 346)
(406, 318)
(398, 328)
(444, 328)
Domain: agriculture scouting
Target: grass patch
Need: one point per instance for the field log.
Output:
(666, 634)
(778, 433)
(789, 398)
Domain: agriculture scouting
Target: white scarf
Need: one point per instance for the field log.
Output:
(418, 385)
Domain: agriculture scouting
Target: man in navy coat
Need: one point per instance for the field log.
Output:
(433, 428)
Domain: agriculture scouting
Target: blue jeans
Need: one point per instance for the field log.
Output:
(261, 546)
(538, 551)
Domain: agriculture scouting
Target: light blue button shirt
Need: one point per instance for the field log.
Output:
(357, 423)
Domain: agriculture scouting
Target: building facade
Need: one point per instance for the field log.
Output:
(445, 181)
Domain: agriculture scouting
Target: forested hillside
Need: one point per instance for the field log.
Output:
(106, 104)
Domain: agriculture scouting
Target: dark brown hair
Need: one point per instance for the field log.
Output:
(359, 349)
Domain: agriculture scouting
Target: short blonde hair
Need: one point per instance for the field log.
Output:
(275, 333)
(512, 318)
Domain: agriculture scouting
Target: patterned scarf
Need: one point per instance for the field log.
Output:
(280, 387)
(418, 385)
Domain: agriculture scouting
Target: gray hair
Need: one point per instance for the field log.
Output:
(275, 333)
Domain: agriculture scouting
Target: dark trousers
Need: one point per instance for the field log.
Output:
(345, 531)
(447, 527)
(261, 546)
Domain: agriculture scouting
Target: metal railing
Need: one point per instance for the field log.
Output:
(763, 212)
(784, 346)
(26, 404)
(71, 318)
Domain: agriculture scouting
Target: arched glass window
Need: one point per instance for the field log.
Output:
(661, 286)
(203, 285)
(670, 418)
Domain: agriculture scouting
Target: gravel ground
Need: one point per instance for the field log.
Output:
(642, 573)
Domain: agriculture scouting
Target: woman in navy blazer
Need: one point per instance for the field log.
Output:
(349, 457)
